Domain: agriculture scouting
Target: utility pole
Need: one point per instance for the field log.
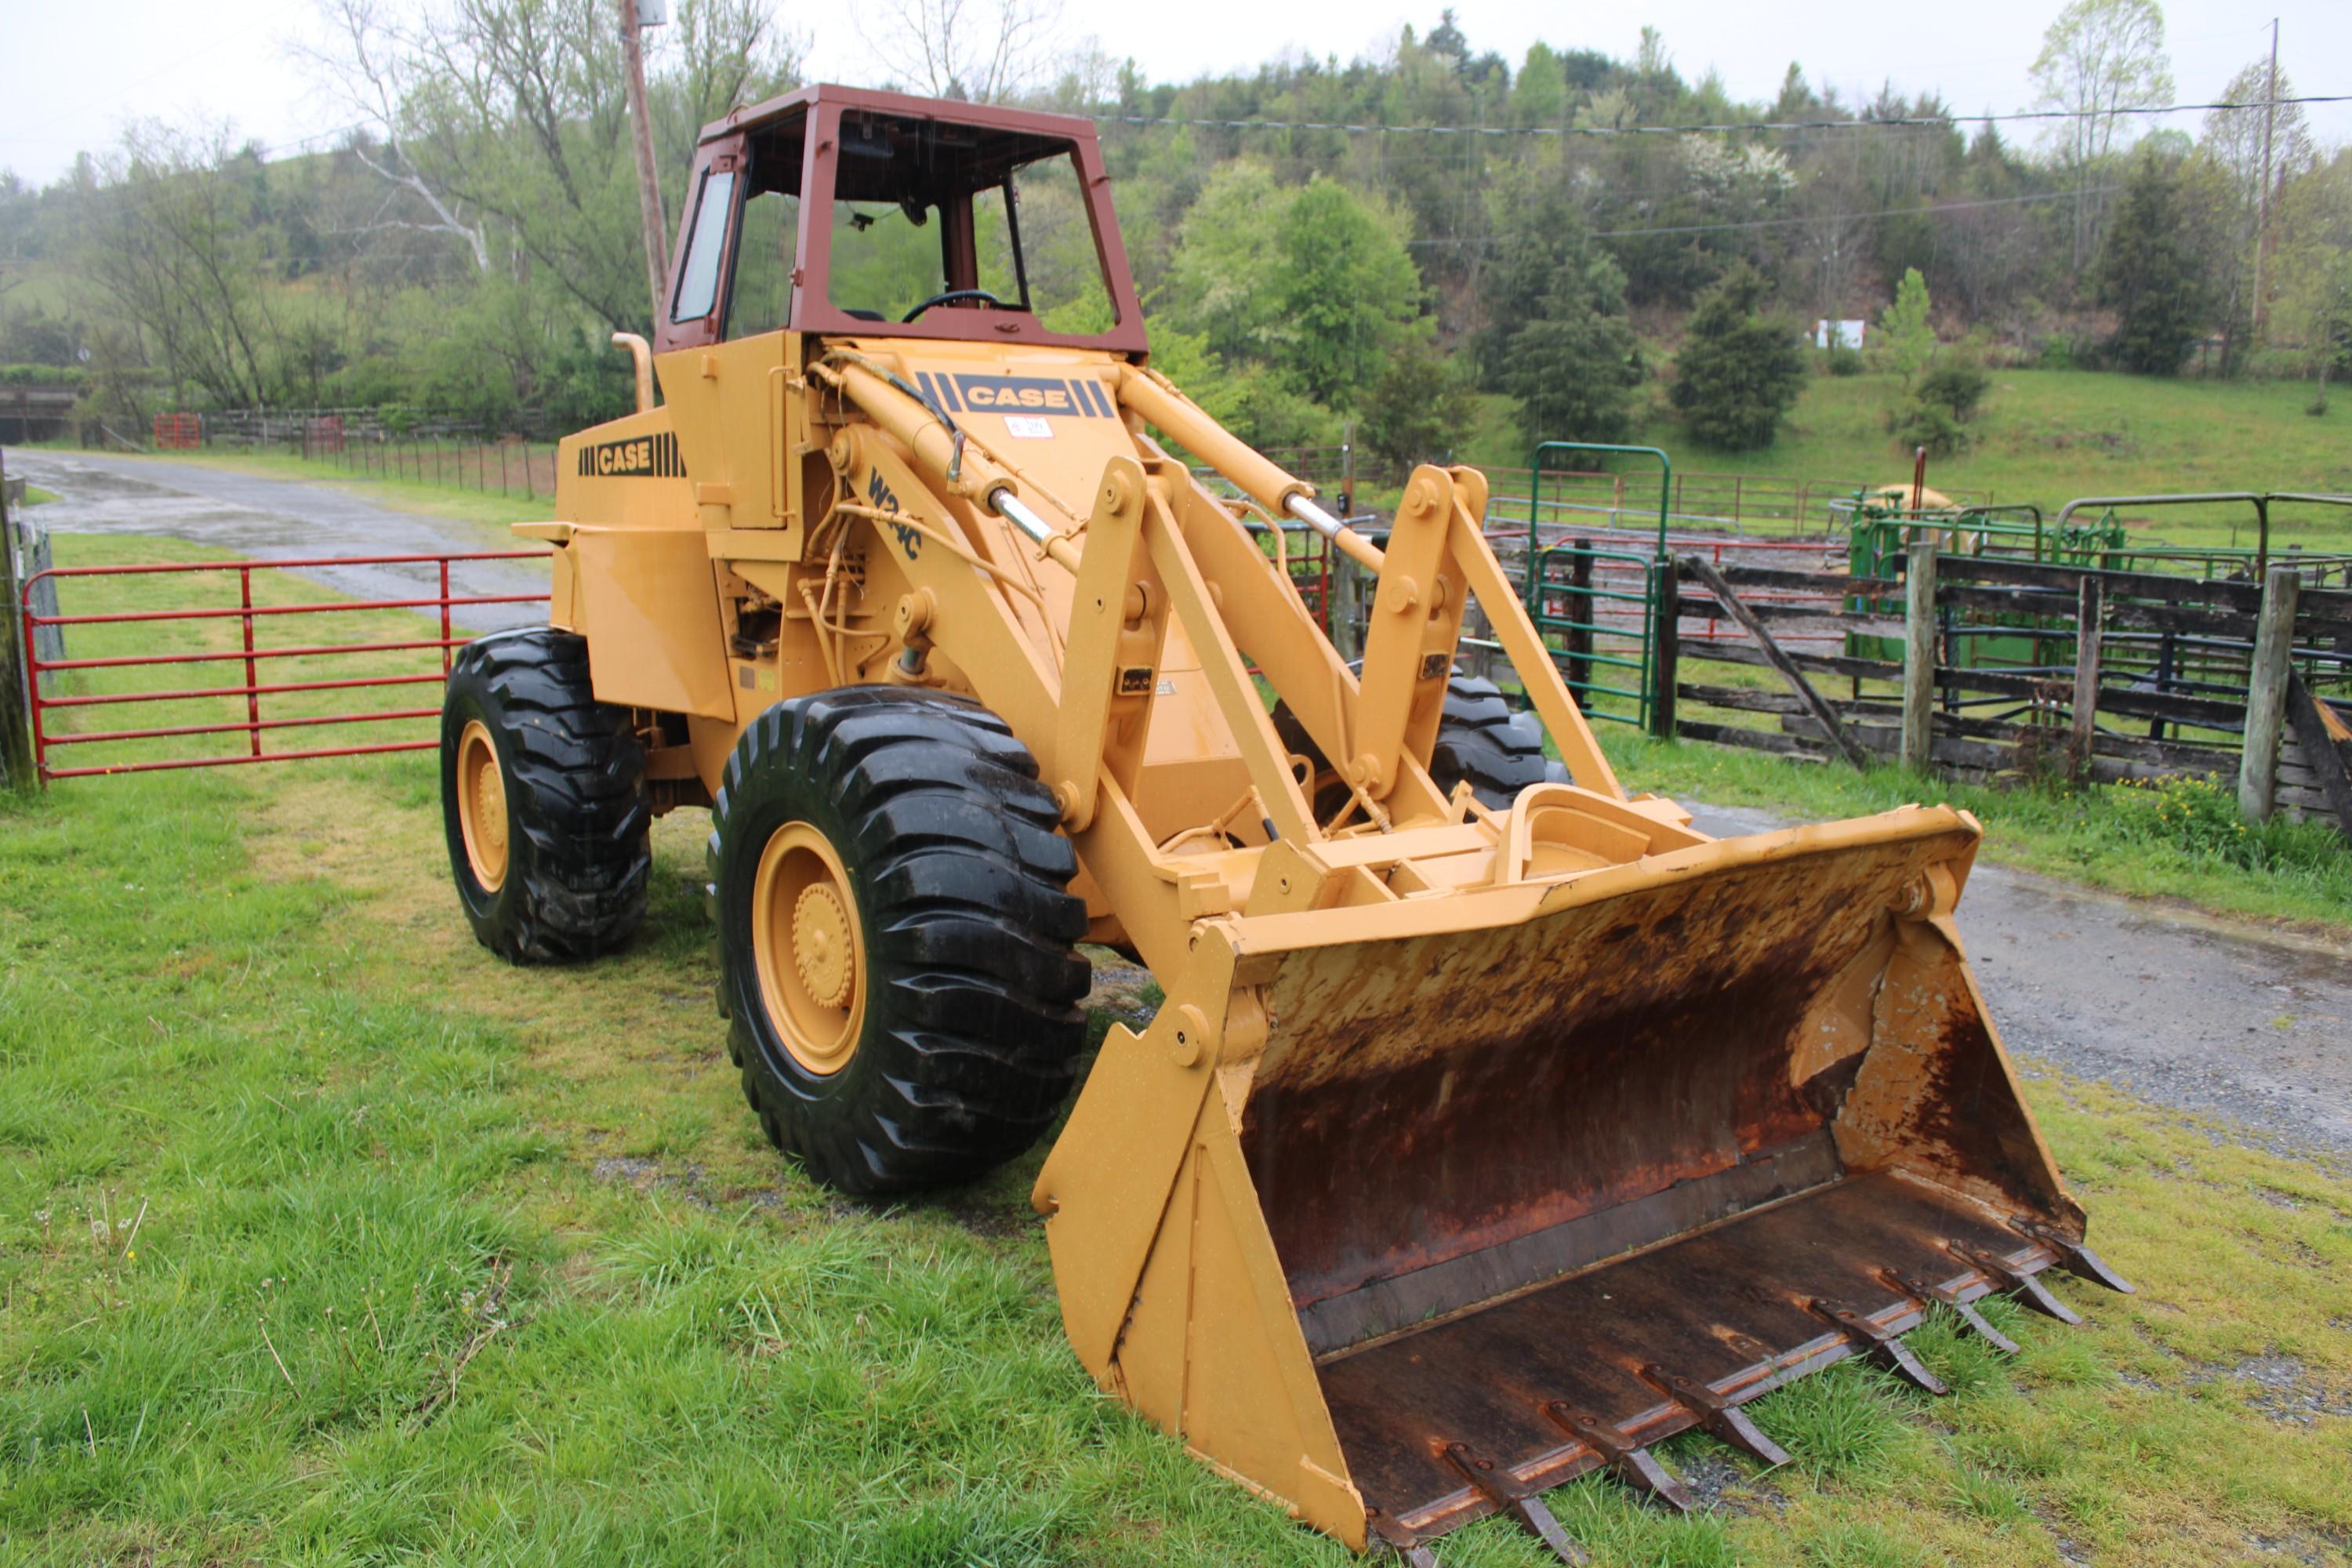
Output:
(649, 202)
(2263, 223)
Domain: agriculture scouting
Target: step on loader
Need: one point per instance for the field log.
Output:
(1497, 1125)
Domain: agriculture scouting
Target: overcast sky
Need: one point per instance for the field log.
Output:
(226, 59)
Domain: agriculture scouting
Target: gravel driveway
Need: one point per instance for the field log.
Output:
(2177, 1008)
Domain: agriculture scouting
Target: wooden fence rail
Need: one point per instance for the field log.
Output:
(2244, 716)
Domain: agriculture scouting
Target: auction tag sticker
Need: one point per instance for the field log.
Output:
(1028, 426)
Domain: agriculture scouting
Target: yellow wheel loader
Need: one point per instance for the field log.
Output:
(1497, 1125)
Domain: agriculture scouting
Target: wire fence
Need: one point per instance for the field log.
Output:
(513, 468)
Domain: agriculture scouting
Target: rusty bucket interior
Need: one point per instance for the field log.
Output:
(1545, 1194)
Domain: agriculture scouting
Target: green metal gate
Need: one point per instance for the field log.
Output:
(1571, 587)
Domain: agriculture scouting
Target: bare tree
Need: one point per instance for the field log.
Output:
(176, 243)
(717, 55)
(2098, 59)
(987, 51)
(2258, 151)
(367, 64)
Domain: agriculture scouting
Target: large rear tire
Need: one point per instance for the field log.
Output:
(895, 936)
(543, 800)
(1479, 738)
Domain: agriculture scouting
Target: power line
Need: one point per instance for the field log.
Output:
(1860, 218)
(1947, 121)
(1798, 221)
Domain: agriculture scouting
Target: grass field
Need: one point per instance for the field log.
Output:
(2048, 436)
(327, 1237)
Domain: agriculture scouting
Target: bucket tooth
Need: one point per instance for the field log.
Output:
(1722, 1418)
(2073, 1256)
(1971, 1318)
(2003, 1274)
(1408, 1545)
(1516, 1499)
(1627, 1460)
(1878, 1342)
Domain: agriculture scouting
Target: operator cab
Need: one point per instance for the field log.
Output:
(871, 214)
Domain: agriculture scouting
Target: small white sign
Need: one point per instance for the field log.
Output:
(1028, 426)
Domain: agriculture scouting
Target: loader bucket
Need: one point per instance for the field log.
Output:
(1449, 1201)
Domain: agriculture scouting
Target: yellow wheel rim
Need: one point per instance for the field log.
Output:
(482, 806)
(808, 949)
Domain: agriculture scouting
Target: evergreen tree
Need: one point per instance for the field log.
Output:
(1739, 370)
(2152, 273)
(1419, 408)
(1905, 340)
(1557, 337)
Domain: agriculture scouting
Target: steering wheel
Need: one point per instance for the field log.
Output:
(950, 298)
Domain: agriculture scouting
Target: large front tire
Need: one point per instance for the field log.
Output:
(543, 800)
(896, 937)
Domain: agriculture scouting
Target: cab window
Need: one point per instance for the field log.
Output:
(927, 216)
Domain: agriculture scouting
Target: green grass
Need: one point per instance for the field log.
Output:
(327, 1237)
(35, 495)
(2049, 437)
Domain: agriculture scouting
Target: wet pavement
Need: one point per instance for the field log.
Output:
(281, 520)
(2174, 1007)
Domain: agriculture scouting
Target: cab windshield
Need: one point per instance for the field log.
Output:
(931, 217)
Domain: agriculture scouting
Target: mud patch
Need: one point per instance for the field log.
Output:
(998, 1221)
(1124, 991)
(2301, 1546)
(653, 1177)
(1721, 1485)
(2283, 1389)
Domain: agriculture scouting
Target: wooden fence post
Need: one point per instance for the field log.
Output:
(1668, 650)
(2266, 692)
(1346, 609)
(1580, 609)
(2089, 610)
(19, 769)
(1920, 656)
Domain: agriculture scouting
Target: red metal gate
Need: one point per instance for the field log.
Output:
(250, 655)
(179, 432)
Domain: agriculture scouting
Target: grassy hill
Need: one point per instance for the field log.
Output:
(2047, 437)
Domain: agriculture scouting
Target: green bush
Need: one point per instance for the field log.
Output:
(2069, 350)
(1922, 423)
(1740, 372)
(1839, 359)
(1936, 415)
(1957, 385)
(44, 375)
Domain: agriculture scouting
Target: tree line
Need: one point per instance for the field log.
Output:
(1309, 250)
